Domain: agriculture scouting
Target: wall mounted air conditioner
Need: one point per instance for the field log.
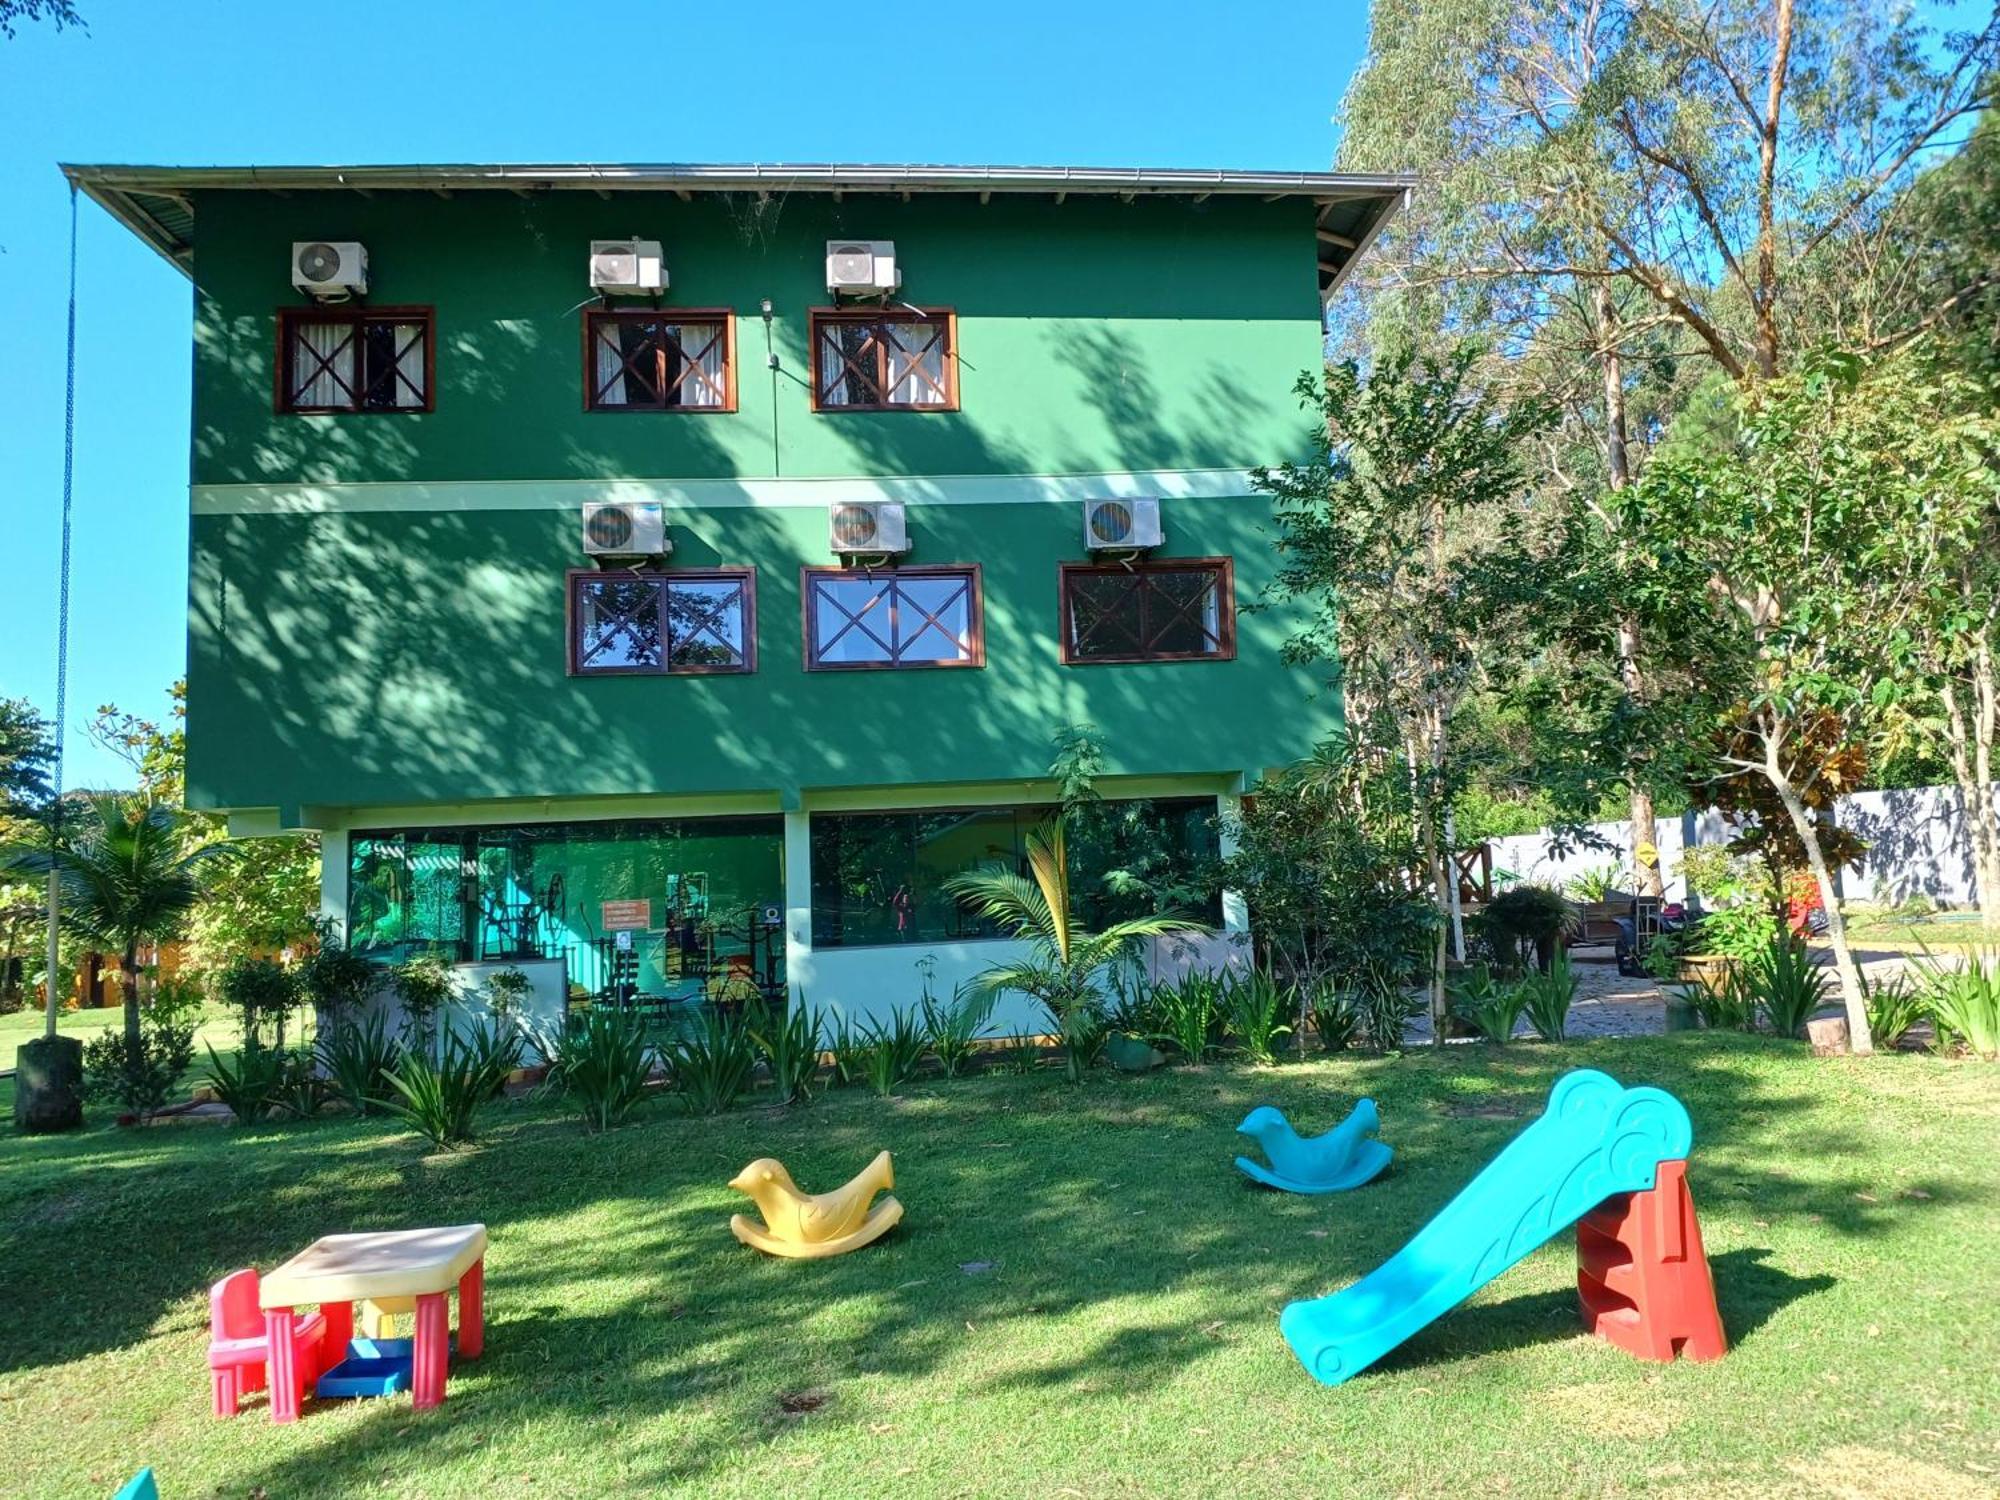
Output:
(865, 528)
(330, 268)
(620, 528)
(627, 268)
(861, 268)
(1121, 525)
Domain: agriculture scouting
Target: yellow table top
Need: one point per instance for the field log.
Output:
(391, 1263)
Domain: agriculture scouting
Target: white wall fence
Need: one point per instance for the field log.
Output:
(1918, 845)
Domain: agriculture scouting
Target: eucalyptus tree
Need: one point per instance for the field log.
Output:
(1634, 193)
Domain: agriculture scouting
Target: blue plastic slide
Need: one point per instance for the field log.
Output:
(1595, 1139)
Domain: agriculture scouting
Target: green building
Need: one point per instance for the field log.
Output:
(667, 576)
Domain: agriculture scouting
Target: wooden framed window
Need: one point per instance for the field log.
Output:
(900, 617)
(375, 359)
(884, 359)
(1181, 610)
(692, 621)
(677, 360)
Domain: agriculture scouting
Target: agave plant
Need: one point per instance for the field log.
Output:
(1063, 973)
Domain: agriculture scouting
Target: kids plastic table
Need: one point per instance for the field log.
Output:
(342, 1269)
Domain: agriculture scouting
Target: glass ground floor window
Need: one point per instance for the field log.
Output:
(879, 878)
(667, 906)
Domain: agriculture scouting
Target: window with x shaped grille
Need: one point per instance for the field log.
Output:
(905, 617)
(680, 623)
(1165, 611)
(884, 359)
(652, 361)
(342, 360)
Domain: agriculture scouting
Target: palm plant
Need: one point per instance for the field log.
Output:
(127, 879)
(1062, 972)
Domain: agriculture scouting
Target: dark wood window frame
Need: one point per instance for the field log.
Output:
(572, 588)
(291, 318)
(595, 317)
(975, 616)
(943, 318)
(1225, 616)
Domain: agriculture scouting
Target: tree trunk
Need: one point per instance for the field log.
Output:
(1434, 858)
(129, 968)
(1618, 469)
(1971, 746)
(1852, 997)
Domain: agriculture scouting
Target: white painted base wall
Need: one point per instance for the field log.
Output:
(541, 1014)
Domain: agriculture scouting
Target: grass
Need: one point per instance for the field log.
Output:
(1082, 1299)
(1888, 928)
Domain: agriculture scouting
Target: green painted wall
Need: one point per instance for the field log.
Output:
(358, 658)
(1093, 334)
(406, 658)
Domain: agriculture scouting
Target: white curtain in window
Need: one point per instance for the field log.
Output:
(409, 377)
(916, 364)
(704, 383)
(610, 375)
(835, 340)
(314, 385)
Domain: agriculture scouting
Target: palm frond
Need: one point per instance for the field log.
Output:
(1048, 860)
(1013, 901)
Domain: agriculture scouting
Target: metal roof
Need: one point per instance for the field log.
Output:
(153, 202)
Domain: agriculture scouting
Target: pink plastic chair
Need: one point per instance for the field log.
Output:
(238, 1353)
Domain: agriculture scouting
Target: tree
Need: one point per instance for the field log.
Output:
(127, 879)
(1404, 540)
(61, 14)
(1801, 560)
(27, 755)
(1660, 187)
(1064, 968)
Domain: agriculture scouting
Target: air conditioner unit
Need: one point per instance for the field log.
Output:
(618, 528)
(630, 268)
(868, 527)
(860, 267)
(1121, 525)
(330, 268)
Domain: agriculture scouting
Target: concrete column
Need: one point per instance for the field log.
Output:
(333, 862)
(1235, 910)
(798, 903)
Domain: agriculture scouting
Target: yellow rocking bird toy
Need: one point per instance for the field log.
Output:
(802, 1226)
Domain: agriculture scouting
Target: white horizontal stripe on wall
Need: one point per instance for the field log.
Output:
(714, 494)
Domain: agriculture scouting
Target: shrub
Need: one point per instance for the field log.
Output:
(1729, 1004)
(1491, 1006)
(301, 1091)
(953, 1029)
(1894, 1008)
(1253, 1008)
(335, 978)
(850, 1046)
(357, 1056)
(1546, 998)
(1190, 1013)
(711, 1062)
(895, 1051)
(1130, 1009)
(1524, 920)
(495, 1052)
(602, 1066)
(262, 992)
(507, 992)
(1386, 1009)
(1964, 1003)
(1786, 984)
(439, 1099)
(423, 984)
(251, 1088)
(788, 1042)
(1335, 1014)
(144, 1077)
(1596, 884)
(1085, 1031)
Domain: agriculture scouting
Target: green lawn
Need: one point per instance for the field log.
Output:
(1883, 928)
(1123, 1339)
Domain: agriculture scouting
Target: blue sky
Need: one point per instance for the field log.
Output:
(1166, 83)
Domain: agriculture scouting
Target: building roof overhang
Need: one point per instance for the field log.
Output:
(155, 202)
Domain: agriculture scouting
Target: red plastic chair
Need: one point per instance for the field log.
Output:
(239, 1354)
